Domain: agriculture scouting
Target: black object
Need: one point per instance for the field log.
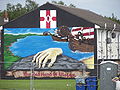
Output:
(113, 35)
(108, 40)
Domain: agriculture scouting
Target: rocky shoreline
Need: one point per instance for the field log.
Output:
(62, 63)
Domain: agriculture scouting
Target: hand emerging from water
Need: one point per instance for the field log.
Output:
(41, 58)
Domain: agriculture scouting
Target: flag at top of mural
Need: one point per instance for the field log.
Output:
(87, 32)
(48, 19)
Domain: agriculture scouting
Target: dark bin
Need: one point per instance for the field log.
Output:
(91, 83)
(78, 87)
(91, 87)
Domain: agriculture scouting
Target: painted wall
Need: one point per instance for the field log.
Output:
(24, 45)
(24, 41)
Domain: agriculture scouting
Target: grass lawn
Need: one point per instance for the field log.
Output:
(64, 84)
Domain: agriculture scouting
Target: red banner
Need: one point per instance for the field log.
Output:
(40, 74)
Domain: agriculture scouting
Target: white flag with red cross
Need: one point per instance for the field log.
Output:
(48, 19)
(87, 32)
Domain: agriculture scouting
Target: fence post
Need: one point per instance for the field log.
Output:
(31, 77)
(108, 70)
(0, 70)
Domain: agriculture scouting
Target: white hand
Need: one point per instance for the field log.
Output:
(49, 54)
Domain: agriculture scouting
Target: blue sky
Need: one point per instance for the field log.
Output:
(102, 7)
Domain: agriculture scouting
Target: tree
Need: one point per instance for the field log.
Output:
(18, 7)
(54, 2)
(62, 3)
(9, 7)
(10, 10)
(72, 5)
(30, 5)
(1, 13)
(114, 18)
(15, 11)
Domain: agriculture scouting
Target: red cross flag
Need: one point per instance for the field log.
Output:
(48, 19)
(87, 32)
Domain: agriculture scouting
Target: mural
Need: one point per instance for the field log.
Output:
(54, 48)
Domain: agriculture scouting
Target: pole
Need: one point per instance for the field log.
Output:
(31, 77)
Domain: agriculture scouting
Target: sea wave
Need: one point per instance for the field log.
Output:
(31, 45)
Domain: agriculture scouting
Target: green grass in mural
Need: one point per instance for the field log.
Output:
(8, 56)
(64, 84)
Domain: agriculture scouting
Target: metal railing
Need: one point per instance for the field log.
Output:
(33, 81)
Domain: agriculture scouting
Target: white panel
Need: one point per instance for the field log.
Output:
(109, 47)
(101, 44)
(114, 46)
(53, 13)
(88, 30)
(96, 26)
(116, 43)
(98, 44)
(1, 27)
(42, 13)
(42, 24)
(119, 45)
(53, 23)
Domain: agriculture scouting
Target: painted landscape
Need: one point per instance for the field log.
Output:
(20, 43)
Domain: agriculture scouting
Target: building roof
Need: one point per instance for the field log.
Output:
(90, 16)
(67, 16)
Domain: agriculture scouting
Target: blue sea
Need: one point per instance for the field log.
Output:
(31, 45)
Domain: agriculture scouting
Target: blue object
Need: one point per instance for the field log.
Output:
(80, 80)
(80, 83)
(91, 87)
(78, 87)
(91, 83)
